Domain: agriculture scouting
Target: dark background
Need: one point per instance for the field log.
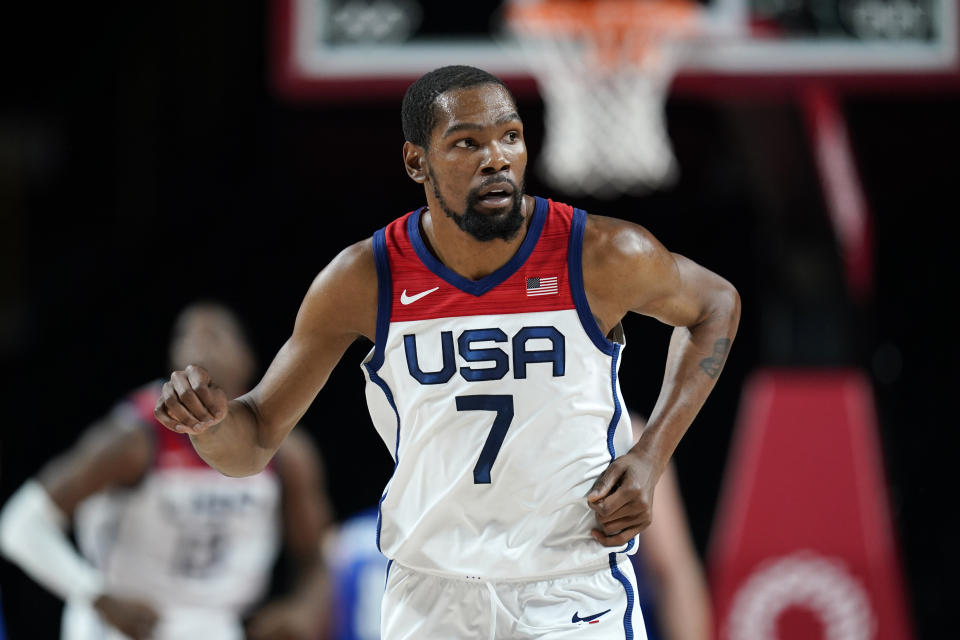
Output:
(145, 162)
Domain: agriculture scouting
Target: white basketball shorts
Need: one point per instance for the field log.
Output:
(599, 605)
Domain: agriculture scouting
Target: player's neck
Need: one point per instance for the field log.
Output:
(461, 252)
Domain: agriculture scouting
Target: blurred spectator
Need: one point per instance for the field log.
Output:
(672, 595)
(171, 549)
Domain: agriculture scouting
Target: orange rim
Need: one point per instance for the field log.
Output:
(585, 16)
(617, 29)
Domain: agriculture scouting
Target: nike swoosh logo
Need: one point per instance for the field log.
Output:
(577, 618)
(405, 299)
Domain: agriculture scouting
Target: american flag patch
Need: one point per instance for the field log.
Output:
(542, 286)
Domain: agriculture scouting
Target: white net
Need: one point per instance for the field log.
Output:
(604, 79)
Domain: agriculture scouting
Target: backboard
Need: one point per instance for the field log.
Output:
(334, 50)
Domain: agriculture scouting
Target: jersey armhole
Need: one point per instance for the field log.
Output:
(575, 268)
(384, 298)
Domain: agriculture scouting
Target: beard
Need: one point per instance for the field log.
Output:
(485, 226)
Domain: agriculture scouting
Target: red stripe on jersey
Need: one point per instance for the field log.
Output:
(420, 294)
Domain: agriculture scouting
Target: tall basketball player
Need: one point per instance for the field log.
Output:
(495, 316)
(170, 548)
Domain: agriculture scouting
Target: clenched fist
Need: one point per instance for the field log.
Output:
(622, 498)
(190, 402)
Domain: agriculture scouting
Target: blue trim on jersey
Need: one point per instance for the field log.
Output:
(617, 410)
(575, 268)
(625, 581)
(481, 286)
(384, 297)
(380, 382)
(386, 576)
(615, 420)
(384, 306)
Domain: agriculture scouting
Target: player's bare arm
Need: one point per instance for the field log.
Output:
(109, 454)
(112, 453)
(626, 269)
(239, 437)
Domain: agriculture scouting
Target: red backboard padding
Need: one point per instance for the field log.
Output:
(803, 546)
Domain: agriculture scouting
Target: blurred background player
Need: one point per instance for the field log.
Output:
(672, 585)
(171, 549)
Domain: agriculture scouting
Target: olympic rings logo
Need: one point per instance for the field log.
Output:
(805, 580)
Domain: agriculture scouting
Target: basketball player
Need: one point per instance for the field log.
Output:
(495, 315)
(173, 549)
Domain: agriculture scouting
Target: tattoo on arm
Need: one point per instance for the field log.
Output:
(712, 365)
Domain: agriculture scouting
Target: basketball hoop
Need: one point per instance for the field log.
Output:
(604, 68)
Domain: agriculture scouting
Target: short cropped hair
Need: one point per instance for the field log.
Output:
(419, 110)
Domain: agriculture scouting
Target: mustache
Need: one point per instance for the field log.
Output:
(496, 179)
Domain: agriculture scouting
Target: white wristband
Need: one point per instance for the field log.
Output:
(32, 535)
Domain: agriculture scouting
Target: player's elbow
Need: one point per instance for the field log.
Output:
(237, 461)
(10, 530)
(239, 472)
(732, 297)
(725, 304)
(27, 509)
(9, 535)
(238, 466)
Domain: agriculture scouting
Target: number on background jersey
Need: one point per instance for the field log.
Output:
(503, 405)
(200, 553)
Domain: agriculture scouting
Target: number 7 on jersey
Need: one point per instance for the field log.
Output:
(503, 406)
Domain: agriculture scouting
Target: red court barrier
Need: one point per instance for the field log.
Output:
(803, 547)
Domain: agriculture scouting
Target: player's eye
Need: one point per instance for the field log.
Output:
(513, 136)
(466, 143)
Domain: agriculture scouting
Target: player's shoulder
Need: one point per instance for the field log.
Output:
(134, 409)
(344, 293)
(144, 398)
(357, 260)
(358, 256)
(623, 265)
(352, 270)
(613, 242)
(117, 448)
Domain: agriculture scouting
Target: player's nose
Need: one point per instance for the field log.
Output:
(495, 160)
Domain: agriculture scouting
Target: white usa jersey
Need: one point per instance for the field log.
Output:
(195, 544)
(498, 399)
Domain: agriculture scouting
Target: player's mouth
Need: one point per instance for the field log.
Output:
(497, 195)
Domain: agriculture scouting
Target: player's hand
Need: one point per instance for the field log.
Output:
(134, 618)
(622, 499)
(190, 402)
(286, 620)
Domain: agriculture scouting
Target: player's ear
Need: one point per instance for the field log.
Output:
(414, 160)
